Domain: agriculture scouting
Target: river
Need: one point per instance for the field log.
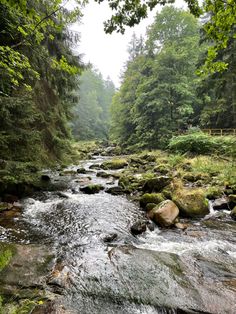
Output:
(160, 271)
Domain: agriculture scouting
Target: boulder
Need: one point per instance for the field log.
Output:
(114, 164)
(138, 227)
(115, 190)
(92, 188)
(165, 213)
(156, 184)
(221, 203)
(81, 170)
(162, 169)
(191, 202)
(103, 174)
(232, 198)
(233, 213)
(45, 178)
(110, 237)
(155, 198)
(95, 166)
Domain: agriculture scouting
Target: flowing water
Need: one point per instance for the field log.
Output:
(160, 271)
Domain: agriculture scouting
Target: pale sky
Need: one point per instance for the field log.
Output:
(108, 53)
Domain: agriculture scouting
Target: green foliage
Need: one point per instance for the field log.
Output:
(36, 81)
(201, 143)
(5, 255)
(158, 93)
(31, 26)
(91, 113)
(219, 27)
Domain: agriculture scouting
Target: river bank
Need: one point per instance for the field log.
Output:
(84, 254)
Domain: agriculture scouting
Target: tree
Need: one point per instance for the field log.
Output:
(91, 113)
(158, 93)
(220, 27)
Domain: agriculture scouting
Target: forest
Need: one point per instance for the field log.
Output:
(118, 199)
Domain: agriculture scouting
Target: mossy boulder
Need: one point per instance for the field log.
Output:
(155, 198)
(92, 188)
(233, 213)
(150, 206)
(3, 206)
(232, 198)
(214, 192)
(191, 202)
(162, 169)
(165, 213)
(116, 190)
(114, 164)
(194, 177)
(81, 170)
(138, 227)
(103, 174)
(156, 184)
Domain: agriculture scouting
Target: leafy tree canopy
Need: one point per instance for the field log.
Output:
(219, 27)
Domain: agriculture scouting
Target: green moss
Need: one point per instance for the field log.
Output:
(155, 198)
(114, 164)
(6, 253)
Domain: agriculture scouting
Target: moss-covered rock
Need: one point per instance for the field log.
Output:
(232, 198)
(114, 164)
(156, 184)
(214, 192)
(233, 213)
(150, 206)
(191, 202)
(165, 213)
(155, 198)
(103, 174)
(162, 169)
(92, 188)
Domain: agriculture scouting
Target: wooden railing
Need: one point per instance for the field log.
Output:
(220, 132)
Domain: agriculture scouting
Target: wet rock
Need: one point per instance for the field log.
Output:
(232, 198)
(45, 178)
(164, 214)
(233, 213)
(114, 164)
(110, 237)
(156, 184)
(116, 190)
(92, 188)
(221, 203)
(181, 226)
(3, 206)
(62, 195)
(191, 202)
(155, 198)
(151, 226)
(103, 174)
(81, 170)
(138, 227)
(95, 166)
(59, 278)
(9, 198)
(24, 267)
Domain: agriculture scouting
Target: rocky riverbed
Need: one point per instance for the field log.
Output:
(96, 242)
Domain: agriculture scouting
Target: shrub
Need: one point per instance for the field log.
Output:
(201, 143)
